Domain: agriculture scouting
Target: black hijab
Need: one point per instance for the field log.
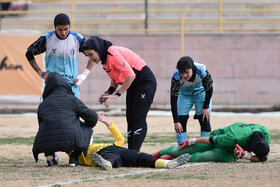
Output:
(258, 145)
(99, 45)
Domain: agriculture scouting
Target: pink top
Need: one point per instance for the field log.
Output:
(119, 65)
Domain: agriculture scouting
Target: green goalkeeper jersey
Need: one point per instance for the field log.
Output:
(237, 133)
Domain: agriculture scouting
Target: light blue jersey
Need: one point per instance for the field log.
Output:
(62, 56)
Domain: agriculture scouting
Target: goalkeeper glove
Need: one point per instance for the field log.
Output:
(239, 153)
(187, 143)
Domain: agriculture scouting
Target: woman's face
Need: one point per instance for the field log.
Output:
(93, 55)
(187, 74)
(62, 30)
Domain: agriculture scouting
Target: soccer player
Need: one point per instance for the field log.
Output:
(62, 47)
(127, 69)
(236, 141)
(114, 156)
(191, 84)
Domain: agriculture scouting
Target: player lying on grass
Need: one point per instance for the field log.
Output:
(113, 156)
(236, 141)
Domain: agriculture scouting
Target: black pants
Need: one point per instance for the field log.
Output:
(120, 156)
(139, 98)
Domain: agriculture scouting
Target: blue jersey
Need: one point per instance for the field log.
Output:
(194, 87)
(61, 55)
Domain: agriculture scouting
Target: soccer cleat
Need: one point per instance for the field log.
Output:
(73, 162)
(179, 161)
(105, 164)
(51, 161)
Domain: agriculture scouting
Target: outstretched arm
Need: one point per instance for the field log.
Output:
(119, 138)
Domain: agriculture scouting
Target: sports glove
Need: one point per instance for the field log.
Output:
(82, 77)
(187, 143)
(239, 153)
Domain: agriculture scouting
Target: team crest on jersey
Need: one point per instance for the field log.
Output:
(54, 50)
(72, 52)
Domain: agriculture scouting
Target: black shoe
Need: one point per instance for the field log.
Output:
(73, 162)
(51, 161)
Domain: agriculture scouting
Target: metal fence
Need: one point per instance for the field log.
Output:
(150, 16)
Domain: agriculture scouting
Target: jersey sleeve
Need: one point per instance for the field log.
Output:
(207, 84)
(38, 47)
(174, 91)
(119, 139)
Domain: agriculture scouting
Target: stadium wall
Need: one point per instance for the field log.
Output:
(244, 67)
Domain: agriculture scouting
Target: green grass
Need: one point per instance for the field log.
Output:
(151, 139)
(17, 140)
(275, 136)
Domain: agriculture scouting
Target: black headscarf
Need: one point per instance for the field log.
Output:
(54, 82)
(259, 146)
(61, 19)
(99, 45)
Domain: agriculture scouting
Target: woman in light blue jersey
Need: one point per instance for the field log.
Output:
(61, 47)
(191, 84)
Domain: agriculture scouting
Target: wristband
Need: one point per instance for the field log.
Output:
(117, 93)
(247, 155)
(110, 90)
(192, 141)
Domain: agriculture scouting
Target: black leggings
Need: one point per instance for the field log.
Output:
(139, 98)
(120, 156)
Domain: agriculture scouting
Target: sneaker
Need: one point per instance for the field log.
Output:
(105, 164)
(179, 161)
(51, 161)
(73, 162)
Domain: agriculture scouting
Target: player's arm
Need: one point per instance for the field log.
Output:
(119, 138)
(207, 84)
(89, 116)
(174, 90)
(38, 47)
(78, 81)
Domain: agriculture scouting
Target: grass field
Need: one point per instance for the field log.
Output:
(18, 168)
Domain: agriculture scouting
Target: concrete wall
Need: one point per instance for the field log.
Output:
(245, 67)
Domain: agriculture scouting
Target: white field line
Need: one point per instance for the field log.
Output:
(119, 175)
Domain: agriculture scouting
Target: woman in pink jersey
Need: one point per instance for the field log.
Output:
(127, 69)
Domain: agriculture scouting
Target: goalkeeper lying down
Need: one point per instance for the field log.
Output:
(237, 141)
(113, 156)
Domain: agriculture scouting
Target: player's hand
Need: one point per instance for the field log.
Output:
(43, 75)
(187, 143)
(239, 153)
(178, 128)
(104, 119)
(205, 114)
(112, 96)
